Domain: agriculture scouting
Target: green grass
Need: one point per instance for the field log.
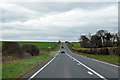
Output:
(77, 45)
(43, 45)
(48, 51)
(107, 58)
(39, 44)
(17, 68)
(57, 48)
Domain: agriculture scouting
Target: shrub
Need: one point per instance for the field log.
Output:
(89, 51)
(32, 49)
(11, 48)
(59, 42)
(117, 51)
(105, 51)
(108, 44)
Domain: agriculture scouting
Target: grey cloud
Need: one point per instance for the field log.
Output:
(64, 6)
(48, 21)
(50, 8)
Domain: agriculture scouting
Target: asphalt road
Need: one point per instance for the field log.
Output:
(70, 65)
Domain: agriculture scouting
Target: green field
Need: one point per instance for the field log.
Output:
(77, 45)
(39, 44)
(107, 58)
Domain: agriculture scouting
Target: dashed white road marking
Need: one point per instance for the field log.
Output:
(88, 68)
(90, 73)
(43, 67)
(78, 64)
(73, 59)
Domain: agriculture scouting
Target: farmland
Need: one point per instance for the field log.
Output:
(39, 44)
(77, 45)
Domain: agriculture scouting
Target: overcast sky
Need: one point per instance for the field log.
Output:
(53, 21)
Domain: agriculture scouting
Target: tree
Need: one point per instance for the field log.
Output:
(114, 39)
(84, 41)
(59, 42)
(102, 33)
(96, 41)
(84, 38)
(108, 41)
(118, 40)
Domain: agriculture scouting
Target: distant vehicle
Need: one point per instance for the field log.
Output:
(62, 47)
(62, 51)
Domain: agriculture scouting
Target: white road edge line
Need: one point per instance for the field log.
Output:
(89, 68)
(43, 67)
(94, 59)
(98, 61)
(105, 62)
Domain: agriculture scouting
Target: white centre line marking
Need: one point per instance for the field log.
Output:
(43, 67)
(90, 73)
(89, 68)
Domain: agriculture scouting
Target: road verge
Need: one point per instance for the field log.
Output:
(106, 58)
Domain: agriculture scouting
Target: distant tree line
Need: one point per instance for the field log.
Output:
(102, 38)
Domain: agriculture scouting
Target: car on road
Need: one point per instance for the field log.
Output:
(62, 47)
(62, 51)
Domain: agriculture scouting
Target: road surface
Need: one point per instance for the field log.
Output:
(70, 65)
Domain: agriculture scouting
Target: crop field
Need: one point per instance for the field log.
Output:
(77, 45)
(39, 44)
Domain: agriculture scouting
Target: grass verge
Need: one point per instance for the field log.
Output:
(106, 58)
(19, 67)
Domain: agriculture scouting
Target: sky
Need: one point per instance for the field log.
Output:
(53, 21)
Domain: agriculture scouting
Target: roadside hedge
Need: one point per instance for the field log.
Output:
(11, 48)
(104, 50)
(32, 49)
